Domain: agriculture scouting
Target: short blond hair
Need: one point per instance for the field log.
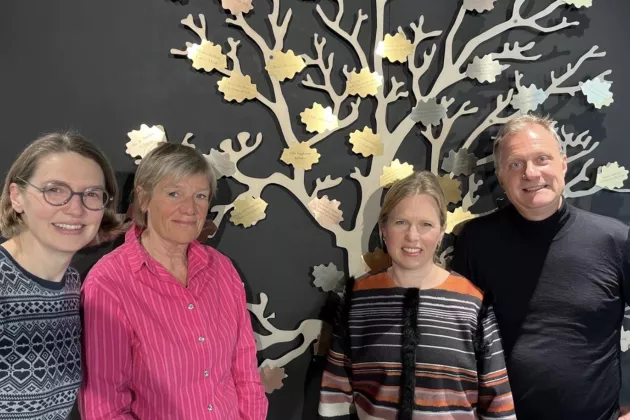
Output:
(520, 123)
(12, 224)
(423, 182)
(167, 160)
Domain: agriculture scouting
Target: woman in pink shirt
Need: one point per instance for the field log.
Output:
(167, 334)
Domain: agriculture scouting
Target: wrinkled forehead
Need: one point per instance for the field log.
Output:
(532, 139)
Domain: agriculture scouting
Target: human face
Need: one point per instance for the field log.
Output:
(412, 232)
(532, 171)
(60, 229)
(177, 209)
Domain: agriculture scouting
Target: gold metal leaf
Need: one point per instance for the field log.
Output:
(284, 66)
(364, 83)
(395, 48)
(452, 188)
(319, 119)
(248, 211)
(207, 56)
(237, 87)
(237, 6)
(377, 260)
(366, 142)
(271, 378)
(144, 140)
(326, 211)
(395, 172)
(300, 155)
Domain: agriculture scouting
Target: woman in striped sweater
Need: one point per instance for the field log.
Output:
(415, 341)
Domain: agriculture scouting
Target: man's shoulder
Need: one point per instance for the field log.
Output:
(607, 223)
(486, 223)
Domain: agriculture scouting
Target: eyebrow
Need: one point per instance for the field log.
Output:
(56, 181)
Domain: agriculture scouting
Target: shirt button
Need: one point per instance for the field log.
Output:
(210, 407)
(201, 338)
(206, 373)
(191, 306)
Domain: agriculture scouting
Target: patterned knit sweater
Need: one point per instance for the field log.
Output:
(40, 354)
(458, 372)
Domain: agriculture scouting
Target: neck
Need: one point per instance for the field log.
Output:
(543, 213)
(171, 255)
(37, 259)
(424, 277)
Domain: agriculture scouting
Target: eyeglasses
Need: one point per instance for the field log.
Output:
(58, 194)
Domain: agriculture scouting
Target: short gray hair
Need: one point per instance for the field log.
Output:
(167, 159)
(519, 124)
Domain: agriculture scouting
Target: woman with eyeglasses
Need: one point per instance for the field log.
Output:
(59, 196)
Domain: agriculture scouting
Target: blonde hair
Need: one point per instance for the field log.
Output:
(12, 224)
(423, 182)
(168, 159)
(518, 124)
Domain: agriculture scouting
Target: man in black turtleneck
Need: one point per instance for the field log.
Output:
(559, 277)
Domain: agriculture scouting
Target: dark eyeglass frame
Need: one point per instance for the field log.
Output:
(43, 189)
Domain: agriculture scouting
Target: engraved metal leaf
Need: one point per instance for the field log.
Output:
(528, 99)
(221, 163)
(460, 162)
(484, 69)
(328, 278)
(597, 92)
(428, 112)
(271, 378)
(579, 3)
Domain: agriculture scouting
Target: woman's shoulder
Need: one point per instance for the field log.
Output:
(373, 280)
(457, 283)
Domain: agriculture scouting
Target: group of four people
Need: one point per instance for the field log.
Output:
(525, 323)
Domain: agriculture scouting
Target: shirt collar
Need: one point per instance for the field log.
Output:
(198, 257)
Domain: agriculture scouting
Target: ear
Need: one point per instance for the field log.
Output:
(564, 165)
(17, 201)
(143, 199)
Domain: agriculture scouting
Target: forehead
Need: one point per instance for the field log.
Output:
(532, 138)
(417, 205)
(197, 181)
(69, 167)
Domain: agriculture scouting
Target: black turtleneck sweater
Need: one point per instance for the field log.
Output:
(559, 287)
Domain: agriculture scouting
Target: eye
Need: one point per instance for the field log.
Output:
(399, 222)
(427, 224)
(514, 165)
(543, 158)
(202, 196)
(173, 194)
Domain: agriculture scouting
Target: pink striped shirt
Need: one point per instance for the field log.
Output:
(154, 349)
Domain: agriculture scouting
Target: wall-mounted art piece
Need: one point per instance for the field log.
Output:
(435, 69)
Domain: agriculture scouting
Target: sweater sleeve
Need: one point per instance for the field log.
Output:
(462, 262)
(495, 395)
(336, 397)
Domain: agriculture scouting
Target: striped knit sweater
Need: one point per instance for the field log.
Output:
(407, 354)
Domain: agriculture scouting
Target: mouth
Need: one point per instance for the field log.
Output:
(186, 223)
(534, 189)
(412, 251)
(67, 228)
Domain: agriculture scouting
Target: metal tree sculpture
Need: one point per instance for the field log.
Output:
(432, 112)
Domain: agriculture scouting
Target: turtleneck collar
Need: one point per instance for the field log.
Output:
(552, 227)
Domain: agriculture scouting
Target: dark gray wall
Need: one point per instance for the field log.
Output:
(103, 67)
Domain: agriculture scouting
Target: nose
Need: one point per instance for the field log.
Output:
(531, 171)
(412, 233)
(188, 206)
(75, 207)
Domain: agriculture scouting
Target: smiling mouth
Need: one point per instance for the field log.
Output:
(68, 226)
(412, 250)
(534, 189)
